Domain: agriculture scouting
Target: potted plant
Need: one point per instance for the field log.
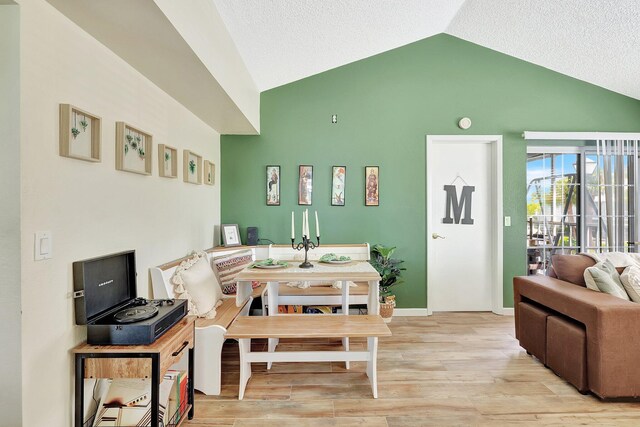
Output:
(390, 271)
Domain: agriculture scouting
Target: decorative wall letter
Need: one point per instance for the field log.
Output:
(453, 203)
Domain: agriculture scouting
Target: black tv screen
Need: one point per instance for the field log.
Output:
(107, 282)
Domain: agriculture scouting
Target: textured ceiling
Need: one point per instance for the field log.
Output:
(281, 41)
(286, 40)
(597, 41)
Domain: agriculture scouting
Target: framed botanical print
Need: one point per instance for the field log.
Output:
(209, 172)
(133, 149)
(273, 185)
(167, 161)
(230, 235)
(338, 180)
(191, 167)
(372, 186)
(79, 134)
(305, 185)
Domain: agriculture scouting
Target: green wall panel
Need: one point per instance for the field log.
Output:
(386, 106)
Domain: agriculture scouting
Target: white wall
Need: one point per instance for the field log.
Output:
(10, 369)
(92, 209)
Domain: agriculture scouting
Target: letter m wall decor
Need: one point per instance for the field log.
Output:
(456, 205)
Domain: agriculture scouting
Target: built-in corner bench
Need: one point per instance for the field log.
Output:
(308, 326)
(210, 333)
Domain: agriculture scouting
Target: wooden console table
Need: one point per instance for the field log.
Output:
(136, 361)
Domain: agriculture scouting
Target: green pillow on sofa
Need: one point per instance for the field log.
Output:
(603, 277)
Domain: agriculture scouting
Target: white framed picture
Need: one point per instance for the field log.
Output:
(230, 235)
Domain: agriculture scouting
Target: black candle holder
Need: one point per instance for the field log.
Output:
(306, 244)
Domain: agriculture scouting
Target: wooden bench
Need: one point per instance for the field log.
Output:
(210, 333)
(308, 326)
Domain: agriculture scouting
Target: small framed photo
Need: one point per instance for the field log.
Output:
(133, 149)
(230, 235)
(305, 185)
(79, 134)
(209, 172)
(273, 185)
(338, 180)
(191, 167)
(167, 161)
(372, 186)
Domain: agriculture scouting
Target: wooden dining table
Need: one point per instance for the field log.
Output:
(355, 271)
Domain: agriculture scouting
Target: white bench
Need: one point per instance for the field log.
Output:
(210, 333)
(308, 326)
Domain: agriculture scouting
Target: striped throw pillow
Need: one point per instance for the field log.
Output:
(227, 268)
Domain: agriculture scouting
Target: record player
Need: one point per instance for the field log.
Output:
(105, 300)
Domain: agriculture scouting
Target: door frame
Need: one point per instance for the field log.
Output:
(497, 211)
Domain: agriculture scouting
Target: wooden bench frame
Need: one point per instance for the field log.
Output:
(308, 326)
(210, 333)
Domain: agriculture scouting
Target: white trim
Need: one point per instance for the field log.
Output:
(580, 136)
(497, 202)
(405, 312)
(557, 149)
(508, 311)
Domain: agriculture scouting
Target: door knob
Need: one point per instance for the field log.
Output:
(437, 236)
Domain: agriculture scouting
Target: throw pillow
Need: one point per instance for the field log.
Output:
(630, 279)
(227, 267)
(194, 281)
(603, 277)
(570, 268)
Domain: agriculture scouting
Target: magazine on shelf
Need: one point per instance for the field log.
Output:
(128, 403)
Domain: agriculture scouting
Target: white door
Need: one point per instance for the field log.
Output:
(462, 217)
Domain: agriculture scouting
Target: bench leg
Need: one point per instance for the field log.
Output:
(245, 366)
(345, 311)
(272, 301)
(372, 371)
(345, 344)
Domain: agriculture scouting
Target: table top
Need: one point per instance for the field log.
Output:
(354, 271)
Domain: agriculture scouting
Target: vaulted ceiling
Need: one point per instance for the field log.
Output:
(282, 41)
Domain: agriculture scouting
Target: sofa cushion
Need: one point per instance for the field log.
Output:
(604, 277)
(194, 281)
(630, 279)
(228, 266)
(570, 268)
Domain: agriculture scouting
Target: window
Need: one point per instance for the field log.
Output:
(578, 200)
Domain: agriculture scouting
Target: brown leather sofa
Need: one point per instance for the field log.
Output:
(590, 339)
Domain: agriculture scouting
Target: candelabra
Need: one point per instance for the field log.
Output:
(306, 244)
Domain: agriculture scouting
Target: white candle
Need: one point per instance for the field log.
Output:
(306, 223)
(293, 231)
(317, 225)
(303, 228)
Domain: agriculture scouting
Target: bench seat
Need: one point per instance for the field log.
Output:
(308, 326)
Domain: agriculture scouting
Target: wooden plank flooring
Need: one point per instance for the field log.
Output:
(443, 370)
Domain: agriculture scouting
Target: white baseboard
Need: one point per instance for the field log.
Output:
(507, 311)
(400, 312)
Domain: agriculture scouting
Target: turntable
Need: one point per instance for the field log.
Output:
(105, 300)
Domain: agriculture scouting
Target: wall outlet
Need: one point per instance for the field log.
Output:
(507, 221)
(42, 245)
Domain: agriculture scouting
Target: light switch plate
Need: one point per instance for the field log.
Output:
(42, 245)
(507, 221)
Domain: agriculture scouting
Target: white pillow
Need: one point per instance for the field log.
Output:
(195, 281)
(630, 279)
(603, 277)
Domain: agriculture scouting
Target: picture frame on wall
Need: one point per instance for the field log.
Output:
(167, 161)
(338, 183)
(80, 134)
(305, 185)
(273, 185)
(230, 235)
(133, 149)
(209, 172)
(191, 167)
(372, 186)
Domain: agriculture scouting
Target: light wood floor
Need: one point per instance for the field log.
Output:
(446, 369)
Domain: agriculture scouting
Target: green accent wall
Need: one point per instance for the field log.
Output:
(386, 105)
